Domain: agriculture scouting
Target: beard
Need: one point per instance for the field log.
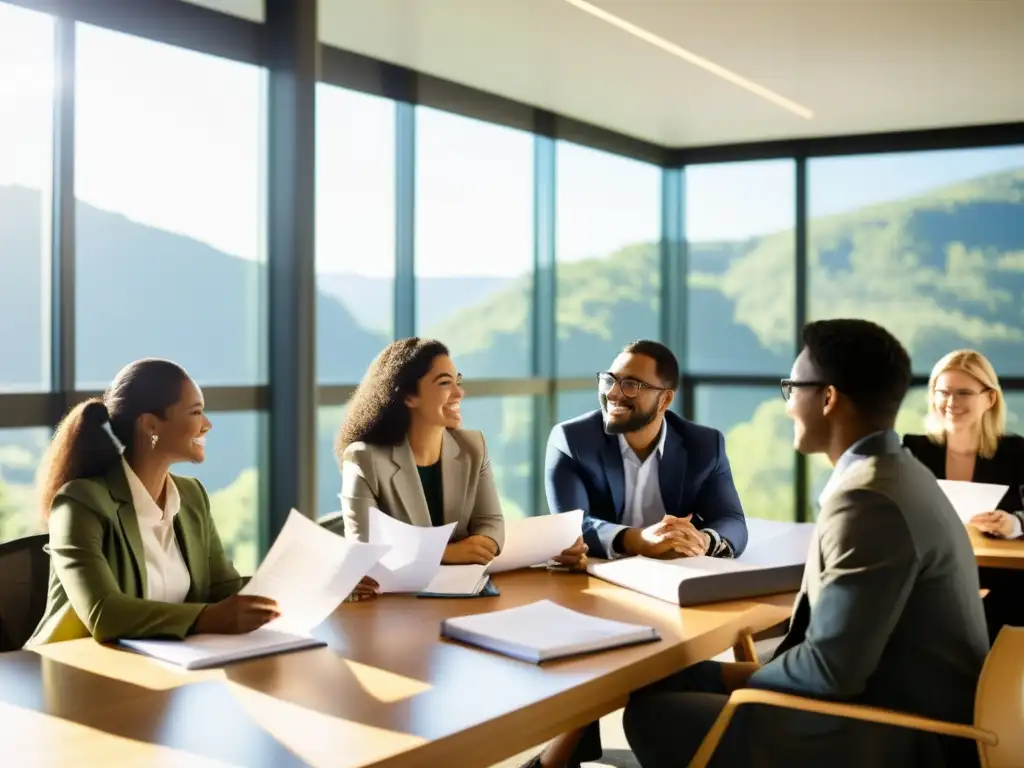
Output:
(637, 419)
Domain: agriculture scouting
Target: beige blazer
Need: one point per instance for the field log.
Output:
(385, 477)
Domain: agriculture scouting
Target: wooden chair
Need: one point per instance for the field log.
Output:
(998, 725)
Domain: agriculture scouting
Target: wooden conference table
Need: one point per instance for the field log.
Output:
(996, 553)
(386, 692)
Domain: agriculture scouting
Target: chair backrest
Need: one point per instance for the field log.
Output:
(999, 703)
(24, 578)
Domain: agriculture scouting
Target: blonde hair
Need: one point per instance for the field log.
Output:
(993, 421)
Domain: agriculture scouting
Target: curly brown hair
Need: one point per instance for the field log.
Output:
(377, 413)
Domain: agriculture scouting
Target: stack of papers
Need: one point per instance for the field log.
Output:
(543, 631)
(970, 499)
(773, 562)
(413, 564)
(309, 571)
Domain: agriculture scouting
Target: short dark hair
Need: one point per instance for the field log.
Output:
(377, 413)
(665, 363)
(864, 362)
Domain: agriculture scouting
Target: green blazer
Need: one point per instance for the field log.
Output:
(98, 566)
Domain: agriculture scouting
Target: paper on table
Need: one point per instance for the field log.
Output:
(458, 580)
(774, 543)
(415, 555)
(535, 540)
(970, 499)
(309, 571)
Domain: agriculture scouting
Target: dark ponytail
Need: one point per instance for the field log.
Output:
(83, 447)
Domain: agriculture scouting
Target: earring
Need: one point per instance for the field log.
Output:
(152, 441)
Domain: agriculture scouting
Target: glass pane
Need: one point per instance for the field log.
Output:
(328, 474)
(231, 475)
(170, 232)
(608, 248)
(507, 424)
(20, 452)
(929, 244)
(474, 241)
(26, 157)
(355, 231)
(571, 403)
(759, 443)
(741, 306)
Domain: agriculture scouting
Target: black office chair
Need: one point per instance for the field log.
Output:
(24, 578)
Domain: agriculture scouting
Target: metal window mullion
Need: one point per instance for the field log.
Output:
(673, 268)
(801, 473)
(405, 219)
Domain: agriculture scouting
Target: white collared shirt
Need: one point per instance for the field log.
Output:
(167, 576)
(643, 503)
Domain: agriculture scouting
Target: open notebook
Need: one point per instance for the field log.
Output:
(203, 651)
(543, 631)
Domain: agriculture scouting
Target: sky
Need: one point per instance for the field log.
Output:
(175, 140)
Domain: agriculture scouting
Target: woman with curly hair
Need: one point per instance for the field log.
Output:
(402, 451)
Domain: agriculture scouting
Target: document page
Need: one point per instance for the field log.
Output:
(775, 543)
(970, 499)
(458, 580)
(535, 540)
(415, 554)
(200, 651)
(309, 571)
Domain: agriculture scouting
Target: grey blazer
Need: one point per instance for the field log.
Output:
(385, 477)
(888, 615)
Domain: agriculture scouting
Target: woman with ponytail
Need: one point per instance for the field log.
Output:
(134, 552)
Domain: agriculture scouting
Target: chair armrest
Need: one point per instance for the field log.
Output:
(852, 711)
(744, 648)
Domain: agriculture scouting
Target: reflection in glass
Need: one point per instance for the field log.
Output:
(608, 215)
(26, 156)
(928, 244)
(355, 231)
(740, 220)
(169, 164)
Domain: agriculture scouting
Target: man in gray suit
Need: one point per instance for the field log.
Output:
(889, 612)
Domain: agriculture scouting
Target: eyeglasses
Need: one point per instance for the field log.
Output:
(788, 385)
(629, 387)
(959, 394)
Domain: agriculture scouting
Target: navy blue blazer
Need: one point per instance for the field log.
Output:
(583, 470)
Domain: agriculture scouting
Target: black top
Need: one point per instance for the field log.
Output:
(1005, 468)
(430, 479)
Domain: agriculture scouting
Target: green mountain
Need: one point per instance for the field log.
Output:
(942, 270)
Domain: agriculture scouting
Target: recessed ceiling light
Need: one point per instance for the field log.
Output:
(693, 58)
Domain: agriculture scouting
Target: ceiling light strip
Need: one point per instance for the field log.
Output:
(693, 58)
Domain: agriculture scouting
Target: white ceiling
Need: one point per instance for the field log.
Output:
(867, 66)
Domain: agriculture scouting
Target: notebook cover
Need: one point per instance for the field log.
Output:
(489, 590)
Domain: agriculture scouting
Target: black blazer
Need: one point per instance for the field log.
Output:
(1005, 468)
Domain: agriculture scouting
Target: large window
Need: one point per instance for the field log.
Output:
(740, 220)
(474, 241)
(355, 231)
(507, 425)
(328, 473)
(20, 452)
(231, 475)
(759, 443)
(608, 216)
(929, 244)
(26, 110)
(169, 164)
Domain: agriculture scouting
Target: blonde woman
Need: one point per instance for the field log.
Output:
(966, 440)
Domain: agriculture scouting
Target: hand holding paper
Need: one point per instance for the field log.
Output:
(309, 571)
(970, 499)
(535, 540)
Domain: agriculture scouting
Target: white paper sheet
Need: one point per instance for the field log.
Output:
(970, 499)
(415, 555)
(201, 651)
(309, 571)
(458, 580)
(535, 540)
(774, 543)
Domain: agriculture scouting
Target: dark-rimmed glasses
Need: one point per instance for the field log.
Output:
(629, 387)
(788, 385)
